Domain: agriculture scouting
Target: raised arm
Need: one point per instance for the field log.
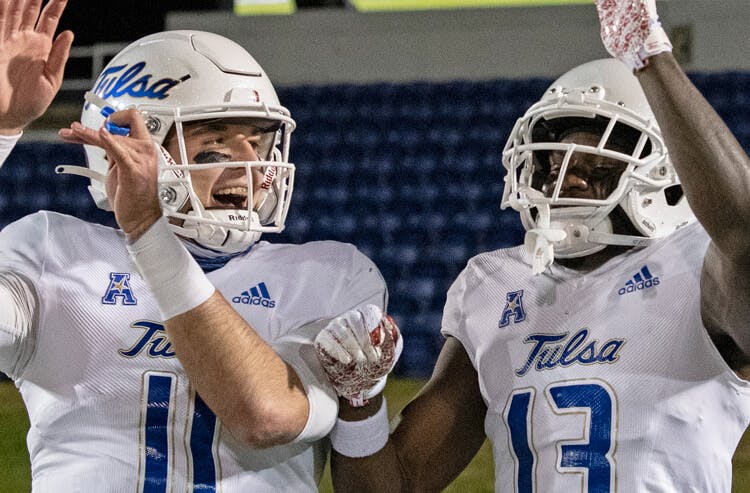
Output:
(32, 60)
(712, 166)
(715, 175)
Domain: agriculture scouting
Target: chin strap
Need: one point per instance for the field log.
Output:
(538, 241)
(622, 240)
(66, 169)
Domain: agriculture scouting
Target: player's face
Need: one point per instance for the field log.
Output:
(220, 141)
(588, 176)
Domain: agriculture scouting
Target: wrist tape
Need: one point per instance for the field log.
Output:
(656, 42)
(361, 438)
(176, 281)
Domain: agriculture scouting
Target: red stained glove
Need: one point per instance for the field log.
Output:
(357, 352)
(631, 31)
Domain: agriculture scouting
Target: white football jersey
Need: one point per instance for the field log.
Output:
(600, 382)
(110, 406)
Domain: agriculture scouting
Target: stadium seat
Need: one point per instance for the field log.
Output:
(409, 173)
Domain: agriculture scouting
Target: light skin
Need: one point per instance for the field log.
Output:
(221, 188)
(32, 60)
(442, 428)
(217, 348)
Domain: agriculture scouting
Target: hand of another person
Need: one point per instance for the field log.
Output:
(357, 351)
(32, 60)
(132, 187)
(631, 31)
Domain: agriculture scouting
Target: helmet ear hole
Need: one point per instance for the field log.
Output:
(673, 194)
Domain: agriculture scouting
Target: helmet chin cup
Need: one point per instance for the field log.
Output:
(222, 230)
(563, 232)
(577, 223)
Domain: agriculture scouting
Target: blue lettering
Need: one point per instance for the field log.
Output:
(546, 354)
(154, 339)
(540, 340)
(113, 82)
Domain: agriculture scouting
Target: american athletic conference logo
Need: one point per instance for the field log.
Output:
(642, 279)
(256, 295)
(513, 309)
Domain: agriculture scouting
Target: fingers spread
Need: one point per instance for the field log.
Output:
(13, 17)
(58, 56)
(4, 8)
(30, 15)
(50, 17)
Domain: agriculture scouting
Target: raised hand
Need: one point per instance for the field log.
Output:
(32, 60)
(631, 31)
(357, 351)
(133, 169)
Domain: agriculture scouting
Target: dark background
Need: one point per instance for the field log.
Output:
(97, 21)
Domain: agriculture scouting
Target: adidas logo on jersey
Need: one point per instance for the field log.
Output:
(257, 295)
(641, 280)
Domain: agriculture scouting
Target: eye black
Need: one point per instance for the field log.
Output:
(211, 157)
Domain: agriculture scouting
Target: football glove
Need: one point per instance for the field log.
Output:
(357, 351)
(631, 31)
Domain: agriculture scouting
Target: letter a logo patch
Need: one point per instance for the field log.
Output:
(119, 288)
(513, 308)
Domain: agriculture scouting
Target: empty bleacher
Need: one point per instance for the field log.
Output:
(410, 173)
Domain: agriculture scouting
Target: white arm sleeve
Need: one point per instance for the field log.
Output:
(297, 351)
(18, 305)
(7, 143)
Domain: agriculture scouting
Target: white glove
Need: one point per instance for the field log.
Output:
(357, 351)
(631, 31)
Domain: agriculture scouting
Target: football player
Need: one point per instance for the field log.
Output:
(620, 360)
(188, 144)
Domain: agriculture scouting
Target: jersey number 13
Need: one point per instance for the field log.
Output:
(590, 455)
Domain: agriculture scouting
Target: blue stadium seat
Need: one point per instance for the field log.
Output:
(409, 173)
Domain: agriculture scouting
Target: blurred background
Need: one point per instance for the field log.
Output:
(402, 109)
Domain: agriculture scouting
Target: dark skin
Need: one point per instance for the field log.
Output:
(442, 428)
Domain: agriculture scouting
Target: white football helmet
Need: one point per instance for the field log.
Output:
(602, 97)
(177, 77)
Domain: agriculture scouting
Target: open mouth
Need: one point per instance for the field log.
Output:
(234, 197)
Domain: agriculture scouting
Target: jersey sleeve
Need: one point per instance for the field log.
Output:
(454, 316)
(364, 285)
(24, 246)
(22, 253)
(359, 282)
(18, 306)
(297, 350)
(7, 143)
